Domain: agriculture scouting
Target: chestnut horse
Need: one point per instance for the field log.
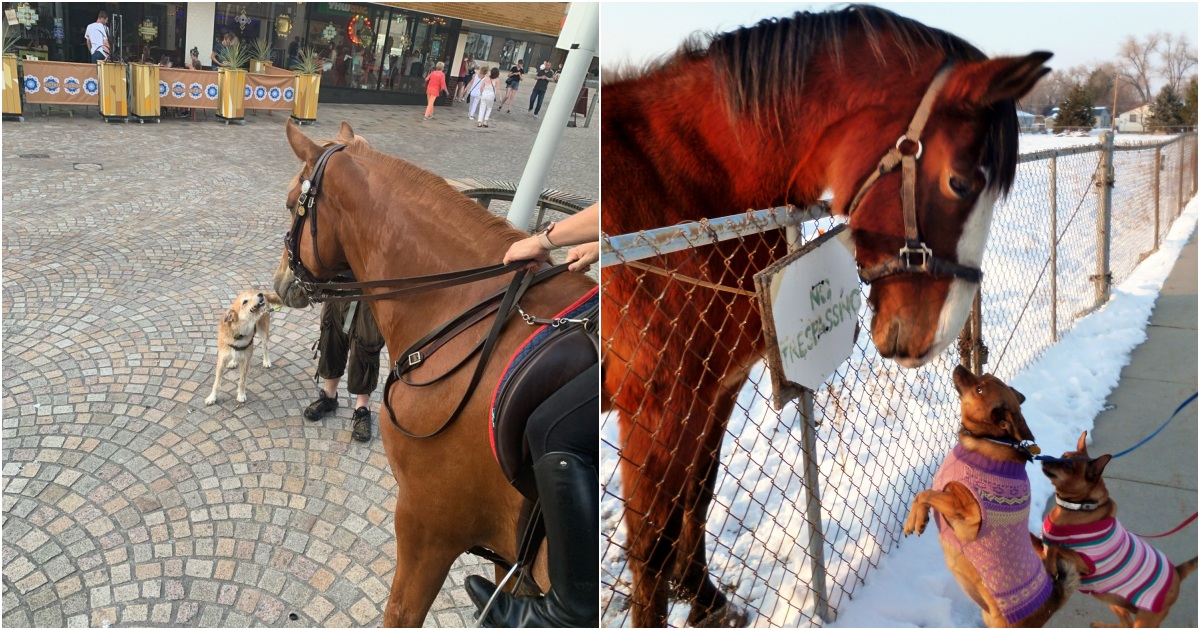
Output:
(765, 116)
(384, 218)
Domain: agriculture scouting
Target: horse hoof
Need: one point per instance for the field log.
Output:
(727, 616)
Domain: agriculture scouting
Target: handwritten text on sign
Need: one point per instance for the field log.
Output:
(810, 302)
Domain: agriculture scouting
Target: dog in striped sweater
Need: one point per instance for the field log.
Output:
(1137, 581)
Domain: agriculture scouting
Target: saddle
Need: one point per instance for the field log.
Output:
(547, 361)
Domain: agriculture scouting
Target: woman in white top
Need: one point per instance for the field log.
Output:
(487, 96)
(474, 89)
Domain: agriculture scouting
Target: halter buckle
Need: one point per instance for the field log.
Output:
(922, 250)
(414, 359)
(920, 147)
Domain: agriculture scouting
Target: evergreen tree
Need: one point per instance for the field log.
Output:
(1076, 110)
(1189, 104)
(1167, 109)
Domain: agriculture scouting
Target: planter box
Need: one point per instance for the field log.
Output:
(114, 91)
(260, 67)
(231, 95)
(12, 88)
(145, 82)
(308, 88)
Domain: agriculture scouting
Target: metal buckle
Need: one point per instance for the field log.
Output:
(414, 359)
(920, 147)
(922, 250)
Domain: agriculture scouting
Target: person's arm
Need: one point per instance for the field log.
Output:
(582, 228)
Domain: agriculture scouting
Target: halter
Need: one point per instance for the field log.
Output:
(914, 256)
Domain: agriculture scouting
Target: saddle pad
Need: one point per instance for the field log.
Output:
(547, 361)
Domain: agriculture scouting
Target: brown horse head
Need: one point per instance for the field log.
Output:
(331, 258)
(967, 160)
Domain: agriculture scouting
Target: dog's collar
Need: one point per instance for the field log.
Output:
(1025, 449)
(1082, 506)
(239, 338)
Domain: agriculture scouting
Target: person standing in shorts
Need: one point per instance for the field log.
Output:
(349, 335)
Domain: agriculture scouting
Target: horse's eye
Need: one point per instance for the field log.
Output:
(979, 389)
(960, 186)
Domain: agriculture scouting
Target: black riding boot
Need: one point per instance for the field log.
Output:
(569, 493)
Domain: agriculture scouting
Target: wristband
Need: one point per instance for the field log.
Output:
(544, 238)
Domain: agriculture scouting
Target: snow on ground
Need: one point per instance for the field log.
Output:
(1041, 141)
(1065, 390)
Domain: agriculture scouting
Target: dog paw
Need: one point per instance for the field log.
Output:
(266, 362)
(210, 400)
(231, 364)
(241, 398)
(916, 522)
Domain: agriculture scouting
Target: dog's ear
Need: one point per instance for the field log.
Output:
(1095, 468)
(1020, 396)
(231, 316)
(1081, 445)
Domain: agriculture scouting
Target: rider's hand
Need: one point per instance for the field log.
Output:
(581, 257)
(527, 249)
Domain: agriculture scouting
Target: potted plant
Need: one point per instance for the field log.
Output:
(308, 86)
(260, 55)
(231, 83)
(12, 80)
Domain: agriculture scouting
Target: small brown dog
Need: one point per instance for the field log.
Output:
(248, 315)
(982, 499)
(1136, 580)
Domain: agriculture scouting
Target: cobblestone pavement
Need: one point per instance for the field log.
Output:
(127, 501)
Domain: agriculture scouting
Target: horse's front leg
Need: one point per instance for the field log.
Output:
(709, 606)
(650, 521)
(421, 568)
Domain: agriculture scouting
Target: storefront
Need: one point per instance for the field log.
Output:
(371, 52)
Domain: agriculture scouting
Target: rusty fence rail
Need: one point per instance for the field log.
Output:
(1077, 222)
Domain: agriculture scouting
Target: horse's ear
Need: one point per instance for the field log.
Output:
(305, 149)
(346, 134)
(982, 83)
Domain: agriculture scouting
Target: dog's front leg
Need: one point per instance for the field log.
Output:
(955, 503)
(221, 360)
(264, 326)
(243, 370)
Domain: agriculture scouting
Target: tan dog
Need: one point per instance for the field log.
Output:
(982, 499)
(249, 314)
(1136, 580)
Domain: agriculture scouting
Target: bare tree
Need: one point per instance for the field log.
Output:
(1136, 62)
(1047, 94)
(1178, 58)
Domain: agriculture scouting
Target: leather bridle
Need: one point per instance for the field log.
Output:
(914, 256)
(344, 288)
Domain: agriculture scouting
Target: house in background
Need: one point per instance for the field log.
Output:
(1134, 120)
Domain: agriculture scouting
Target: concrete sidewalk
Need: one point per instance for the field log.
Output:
(1155, 485)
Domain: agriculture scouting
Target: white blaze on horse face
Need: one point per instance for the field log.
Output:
(962, 293)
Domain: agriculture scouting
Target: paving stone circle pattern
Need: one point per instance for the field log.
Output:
(127, 501)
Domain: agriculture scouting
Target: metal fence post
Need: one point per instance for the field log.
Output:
(816, 532)
(1157, 188)
(1054, 249)
(1181, 161)
(1104, 184)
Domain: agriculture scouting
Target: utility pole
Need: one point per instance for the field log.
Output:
(1116, 94)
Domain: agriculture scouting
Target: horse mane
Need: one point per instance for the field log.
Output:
(763, 65)
(400, 170)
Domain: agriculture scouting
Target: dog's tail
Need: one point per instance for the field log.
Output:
(1065, 578)
(1185, 569)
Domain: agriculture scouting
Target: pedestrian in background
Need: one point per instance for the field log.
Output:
(487, 96)
(544, 74)
(435, 84)
(97, 38)
(474, 90)
(511, 85)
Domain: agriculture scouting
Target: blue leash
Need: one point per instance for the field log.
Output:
(1131, 448)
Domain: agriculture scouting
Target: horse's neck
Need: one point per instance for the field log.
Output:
(670, 133)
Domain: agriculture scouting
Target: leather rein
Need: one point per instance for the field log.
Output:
(914, 256)
(344, 288)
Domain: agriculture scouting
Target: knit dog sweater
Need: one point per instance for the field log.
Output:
(1002, 552)
(1118, 561)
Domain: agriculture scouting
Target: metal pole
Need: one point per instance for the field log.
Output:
(1104, 218)
(816, 533)
(579, 59)
(977, 354)
(1180, 183)
(1157, 178)
(587, 122)
(1053, 250)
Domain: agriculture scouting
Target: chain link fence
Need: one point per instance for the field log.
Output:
(808, 498)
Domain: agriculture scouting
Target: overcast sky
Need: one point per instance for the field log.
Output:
(1076, 32)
